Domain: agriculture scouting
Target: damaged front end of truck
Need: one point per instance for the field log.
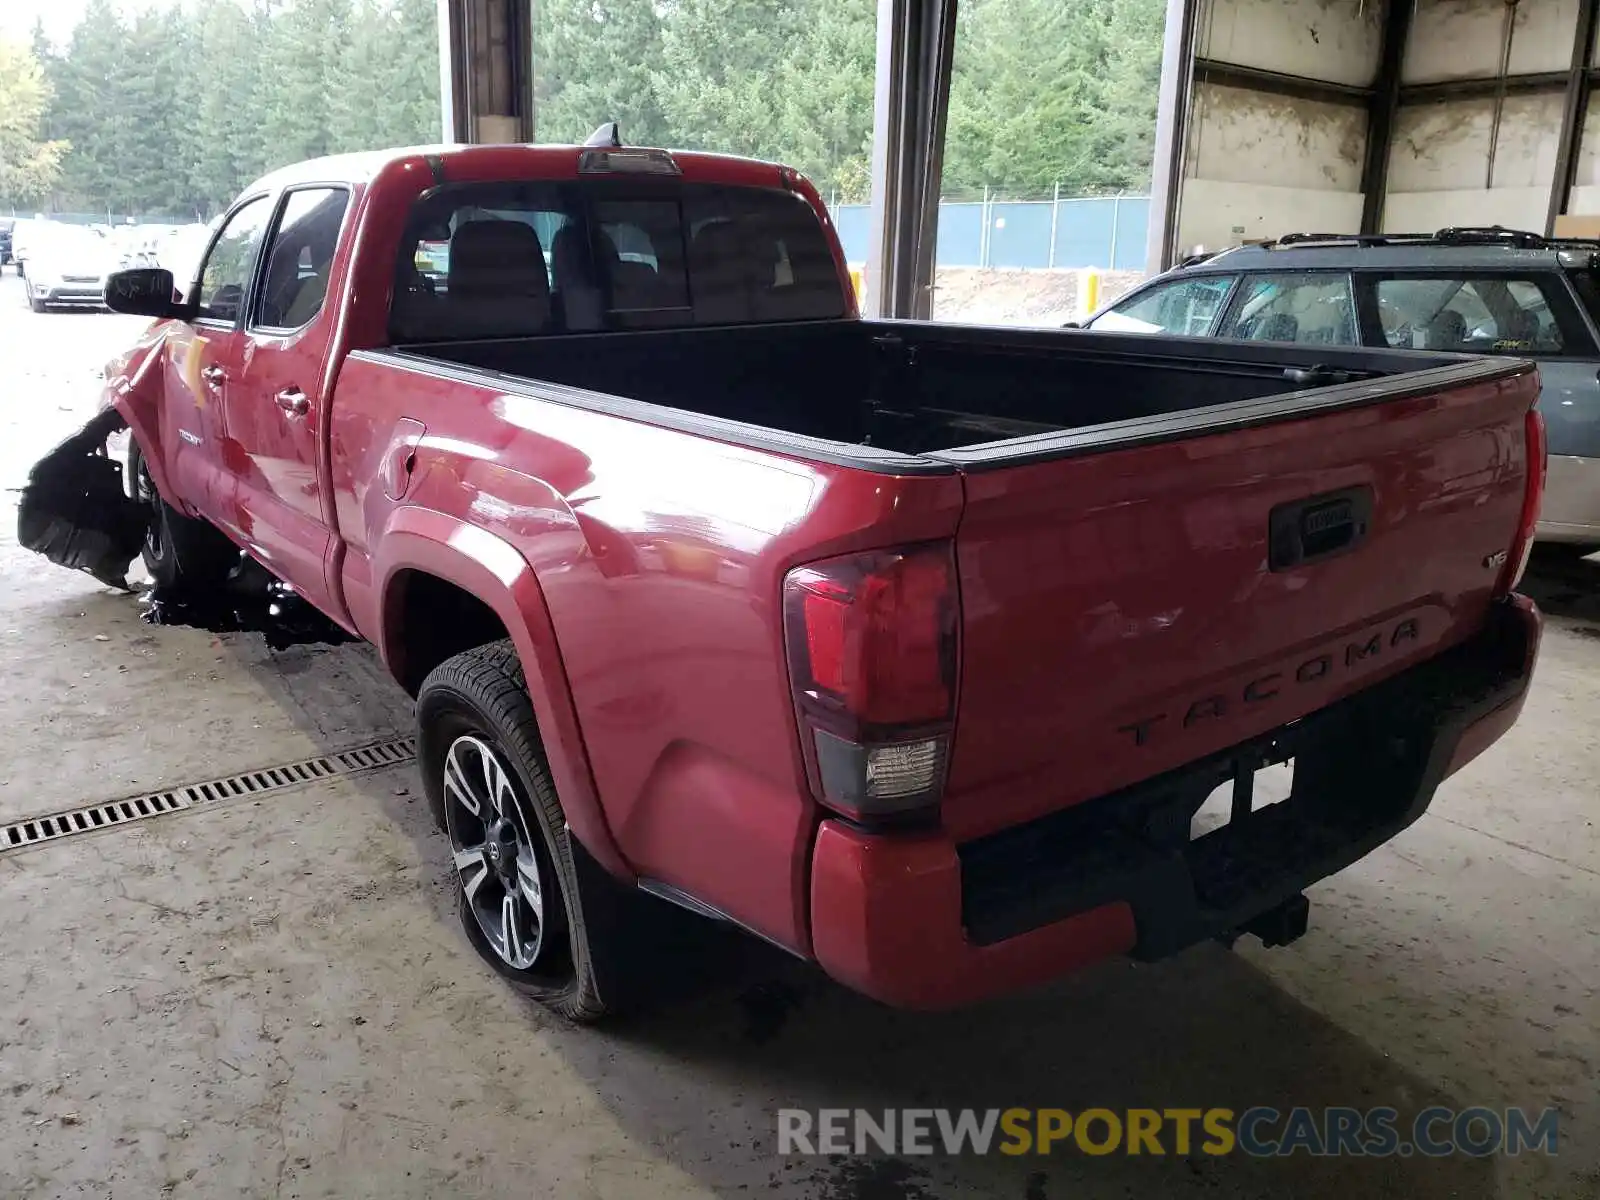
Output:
(74, 509)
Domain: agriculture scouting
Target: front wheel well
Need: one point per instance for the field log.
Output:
(431, 619)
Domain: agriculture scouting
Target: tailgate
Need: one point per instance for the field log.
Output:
(1136, 597)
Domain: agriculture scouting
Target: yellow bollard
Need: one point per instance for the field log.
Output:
(856, 274)
(1088, 293)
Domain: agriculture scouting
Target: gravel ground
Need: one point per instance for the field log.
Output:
(271, 997)
(1000, 296)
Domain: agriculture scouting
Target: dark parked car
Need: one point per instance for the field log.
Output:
(6, 224)
(1475, 291)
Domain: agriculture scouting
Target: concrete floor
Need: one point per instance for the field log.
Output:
(273, 998)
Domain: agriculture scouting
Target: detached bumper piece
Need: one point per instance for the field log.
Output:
(73, 509)
(1365, 768)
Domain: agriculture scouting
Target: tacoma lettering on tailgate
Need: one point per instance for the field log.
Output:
(1264, 687)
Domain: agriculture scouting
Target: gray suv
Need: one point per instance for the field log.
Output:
(1473, 291)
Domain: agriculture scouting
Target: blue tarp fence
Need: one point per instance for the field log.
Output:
(1097, 231)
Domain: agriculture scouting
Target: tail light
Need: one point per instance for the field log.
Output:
(872, 661)
(1532, 497)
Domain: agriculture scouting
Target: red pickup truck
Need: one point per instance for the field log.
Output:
(913, 649)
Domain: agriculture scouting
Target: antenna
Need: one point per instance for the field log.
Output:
(606, 135)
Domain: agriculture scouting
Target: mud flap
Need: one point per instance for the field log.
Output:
(73, 510)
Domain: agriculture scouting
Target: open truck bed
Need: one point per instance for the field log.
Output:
(921, 389)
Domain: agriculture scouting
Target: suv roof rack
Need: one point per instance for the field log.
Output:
(1455, 235)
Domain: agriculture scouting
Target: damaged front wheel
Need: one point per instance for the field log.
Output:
(179, 552)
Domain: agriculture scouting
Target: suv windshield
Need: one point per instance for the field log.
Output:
(519, 259)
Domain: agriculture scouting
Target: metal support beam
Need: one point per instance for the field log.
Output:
(1381, 109)
(1484, 88)
(486, 65)
(916, 42)
(1277, 83)
(1172, 133)
(1580, 79)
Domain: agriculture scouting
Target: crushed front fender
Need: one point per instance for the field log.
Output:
(74, 510)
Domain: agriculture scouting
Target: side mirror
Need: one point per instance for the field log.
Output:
(144, 292)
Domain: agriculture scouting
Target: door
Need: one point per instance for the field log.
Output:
(275, 409)
(201, 357)
(1519, 314)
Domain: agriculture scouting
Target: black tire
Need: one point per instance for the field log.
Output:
(1572, 550)
(479, 698)
(36, 304)
(179, 552)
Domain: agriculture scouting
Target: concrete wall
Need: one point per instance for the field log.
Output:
(1258, 165)
(1217, 214)
(1335, 40)
(1586, 186)
(1464, 39)
(1439, 171)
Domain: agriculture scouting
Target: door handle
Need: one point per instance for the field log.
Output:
(214, 376)
(293, 401)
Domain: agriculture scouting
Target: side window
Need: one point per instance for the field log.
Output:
(1486, 315)
(1186, 307)
(300, 257)
(1314, 308)
(225, 278)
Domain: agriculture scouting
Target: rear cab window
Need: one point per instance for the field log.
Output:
(1479, 313)
(520, 259)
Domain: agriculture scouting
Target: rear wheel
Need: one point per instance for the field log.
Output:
(484, 769)
(36, 304)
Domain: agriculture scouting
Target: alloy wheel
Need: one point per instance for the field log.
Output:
(493, 846)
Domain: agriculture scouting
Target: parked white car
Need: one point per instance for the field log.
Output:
(23, 236)
(67, 266)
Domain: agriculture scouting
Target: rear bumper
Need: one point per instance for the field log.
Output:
(922, 922)
(1571, 509)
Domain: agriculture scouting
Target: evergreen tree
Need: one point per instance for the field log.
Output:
(151, 86)
(1044, 91)
(595, 61)
(217, 143)
(88, 113)
(29, 163)
(297, 73)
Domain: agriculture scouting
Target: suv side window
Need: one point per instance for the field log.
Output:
(300, 257)
(1487, 314)
(225, 278)
(1185, 306)
(1306, 307)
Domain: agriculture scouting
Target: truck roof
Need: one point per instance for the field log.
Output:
(516, 160)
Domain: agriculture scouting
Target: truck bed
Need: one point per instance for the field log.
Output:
(1165, 547)
(920, 389)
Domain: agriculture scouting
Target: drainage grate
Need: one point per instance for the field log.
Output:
(36, 830)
